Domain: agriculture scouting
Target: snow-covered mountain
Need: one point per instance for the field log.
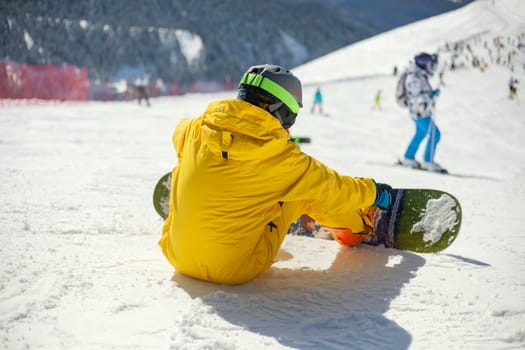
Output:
(81, 268)
(177, 40)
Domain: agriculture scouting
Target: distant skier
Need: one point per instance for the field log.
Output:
(421, 103)
(318, 101)
(141, 91)
(441, 74)
(513, 88)
(377, 100)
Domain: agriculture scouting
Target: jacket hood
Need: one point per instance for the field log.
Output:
(242, 130)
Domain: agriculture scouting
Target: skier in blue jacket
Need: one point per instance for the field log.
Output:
(421, 104)
(318, 101)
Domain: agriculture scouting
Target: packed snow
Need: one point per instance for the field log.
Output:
(439, 216)
(81, 268)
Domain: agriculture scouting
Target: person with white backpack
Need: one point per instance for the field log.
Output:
(420, 97)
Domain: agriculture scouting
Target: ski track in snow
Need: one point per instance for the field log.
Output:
(81, 268)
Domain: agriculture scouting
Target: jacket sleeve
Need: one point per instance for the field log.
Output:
(329, 196)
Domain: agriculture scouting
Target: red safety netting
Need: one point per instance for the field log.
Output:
(47, 82)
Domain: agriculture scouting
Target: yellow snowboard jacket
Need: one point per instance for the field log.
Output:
(239, 183)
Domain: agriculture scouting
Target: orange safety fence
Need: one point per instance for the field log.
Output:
(20, 81)
(46, 82)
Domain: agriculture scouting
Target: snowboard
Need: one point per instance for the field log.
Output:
(161, 196)
(419, 220)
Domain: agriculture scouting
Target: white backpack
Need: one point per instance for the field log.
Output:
(401, 94)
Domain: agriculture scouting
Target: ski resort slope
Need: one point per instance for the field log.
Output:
(393, 48)
(81, 268)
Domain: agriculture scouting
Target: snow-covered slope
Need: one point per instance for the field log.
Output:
(378, 55)
(81, 268)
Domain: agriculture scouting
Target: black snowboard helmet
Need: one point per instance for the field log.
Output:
(427, 62)
(274, 89)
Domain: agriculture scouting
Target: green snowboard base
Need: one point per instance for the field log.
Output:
(419, 220)
(161, 196)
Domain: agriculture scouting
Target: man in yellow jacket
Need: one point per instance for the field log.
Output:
(240, 182)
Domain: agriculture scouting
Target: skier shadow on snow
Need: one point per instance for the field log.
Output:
(467, 260)
(343, 306)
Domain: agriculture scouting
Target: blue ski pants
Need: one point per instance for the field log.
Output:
(424, 127)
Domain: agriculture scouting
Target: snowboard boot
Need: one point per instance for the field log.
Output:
(433, 166)
(380, 219)
(411, 163)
